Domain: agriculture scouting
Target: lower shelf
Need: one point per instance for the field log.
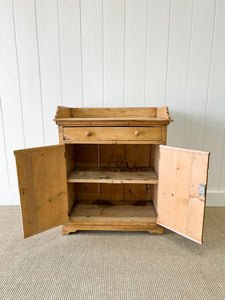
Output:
(112, 218)
(113, 213)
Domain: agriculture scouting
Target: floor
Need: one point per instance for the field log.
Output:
(111, 265)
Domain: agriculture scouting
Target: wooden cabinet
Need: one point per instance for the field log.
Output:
(113, 171)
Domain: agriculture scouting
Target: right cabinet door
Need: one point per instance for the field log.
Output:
(182, 191)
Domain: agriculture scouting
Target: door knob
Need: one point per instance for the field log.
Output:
(88, 133)
(137, 132)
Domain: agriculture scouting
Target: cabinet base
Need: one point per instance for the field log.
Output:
(73, 227)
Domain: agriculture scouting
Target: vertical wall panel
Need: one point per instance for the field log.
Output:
(113, 49)
(70, 49)
(4, 183)
(215, 116)
(222, 171)
(178, 58)
(96, 53)
(9, 89)
(135, 51)
(156, 57)
(28, 62)
(198, 77)
(92, 57)
(48, 37)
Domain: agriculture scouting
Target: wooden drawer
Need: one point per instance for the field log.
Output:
(153, 135)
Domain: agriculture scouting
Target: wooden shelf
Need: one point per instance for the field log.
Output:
(114, 175)
(96, 213)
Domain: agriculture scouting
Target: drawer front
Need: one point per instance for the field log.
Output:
(112, 134)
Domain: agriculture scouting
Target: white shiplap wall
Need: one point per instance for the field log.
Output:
(112, 53)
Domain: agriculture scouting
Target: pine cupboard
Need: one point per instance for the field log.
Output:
(112, 170)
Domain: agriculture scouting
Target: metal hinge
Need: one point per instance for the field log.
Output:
(201, 189)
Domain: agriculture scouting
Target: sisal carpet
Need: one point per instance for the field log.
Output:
(111, 265)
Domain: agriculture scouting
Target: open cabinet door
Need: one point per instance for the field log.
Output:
(43, 188)
(182, 191)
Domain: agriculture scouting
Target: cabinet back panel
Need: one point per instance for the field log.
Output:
(127, 156)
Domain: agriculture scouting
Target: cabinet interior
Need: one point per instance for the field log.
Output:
(108, 182)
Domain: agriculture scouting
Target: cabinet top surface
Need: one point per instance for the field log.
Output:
(124, 116)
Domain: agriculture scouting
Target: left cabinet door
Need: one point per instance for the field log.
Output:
(42, 182)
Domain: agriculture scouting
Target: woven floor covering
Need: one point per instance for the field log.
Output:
(111, 265)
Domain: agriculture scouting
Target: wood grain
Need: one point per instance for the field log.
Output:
(180, 208)
(113, 218)
(113, 213)
(102, 134)
(43, 188)
(114, 175)
(149, 227)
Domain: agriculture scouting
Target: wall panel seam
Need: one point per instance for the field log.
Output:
(146, 49)
(4, 142)
(209, 75)
(18, 70)
(103, 73)
(124, 54)
(188, 71)
(167, 55)
(60, 58)
(221, 165)
(81, 57)
(39, 70)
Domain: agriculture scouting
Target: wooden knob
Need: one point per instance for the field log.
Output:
(137, 132)
(88, 133)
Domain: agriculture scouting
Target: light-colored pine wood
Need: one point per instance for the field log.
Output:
(136, 194)
(63, 112)
(113, 213)
(43, 188)
(111, 156)
(114, 175)
(149, 227)
(155, 166)
(109, 122)
(86, 193)
(112, 134)
(60, 131)
(180, 207)
(137, 156)
(163, 112)
(121, 112)
(113, 218)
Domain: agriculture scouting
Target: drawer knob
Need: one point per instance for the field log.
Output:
(137, 132)
(88, 133)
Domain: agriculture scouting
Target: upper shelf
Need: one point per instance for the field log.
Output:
(114, 175)
(126, 116)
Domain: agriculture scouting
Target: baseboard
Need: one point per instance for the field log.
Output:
(9, 197)
(12, 198)
(215, 198)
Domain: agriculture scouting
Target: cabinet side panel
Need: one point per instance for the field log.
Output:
(155, 166)
(27, 197)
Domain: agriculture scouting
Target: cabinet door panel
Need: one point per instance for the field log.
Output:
(181, 204)
(43, 188)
